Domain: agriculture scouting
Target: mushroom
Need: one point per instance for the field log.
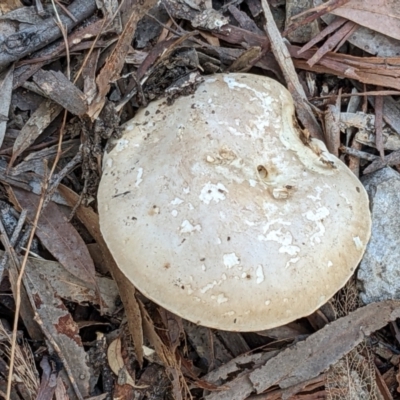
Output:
(217, 208)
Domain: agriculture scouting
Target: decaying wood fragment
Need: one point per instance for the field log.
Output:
(391, 159)
(332, 42)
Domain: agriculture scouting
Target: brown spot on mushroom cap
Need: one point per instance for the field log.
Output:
(232, 166)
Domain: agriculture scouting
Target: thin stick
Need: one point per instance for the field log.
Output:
(14, 237)
(371, 93)
(65, 37)
(358, 153)
(285, 61)
(35, 223)
(104, 25)
(25, 259)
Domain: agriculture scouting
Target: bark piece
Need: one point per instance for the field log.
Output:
(319, 351)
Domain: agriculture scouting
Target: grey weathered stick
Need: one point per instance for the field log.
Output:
(282, 55)
(391, 159)
(358, 153)
(26, 41)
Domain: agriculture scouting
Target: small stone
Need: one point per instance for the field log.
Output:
(379, 272)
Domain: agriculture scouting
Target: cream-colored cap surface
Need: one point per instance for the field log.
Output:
(215, 208)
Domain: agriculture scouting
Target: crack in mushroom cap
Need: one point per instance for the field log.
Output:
(215, 208)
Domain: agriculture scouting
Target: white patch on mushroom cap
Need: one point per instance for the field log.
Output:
(283, 238)
(121, 145)
(213, 192)
(260, 274)
(317, 217)
(176, 201)
(139, 179)
(230, 260)
(187, 227)
(221, 298)
(358, 242)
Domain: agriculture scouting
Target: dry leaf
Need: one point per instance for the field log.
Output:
(59, 237)
(63, 329)
(371, 41)
(127, 291)
(71, 288)
(61, 90)
(179, 386)
(6, 81)
(8, 5)
(116, 60)
(117, 364)
(48, 381)
(174, 327)
(39, 120)
(379, 15)
(353, 377)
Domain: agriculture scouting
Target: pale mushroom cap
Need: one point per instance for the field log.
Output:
(215, 209)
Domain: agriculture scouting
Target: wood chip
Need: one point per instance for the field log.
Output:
(391, 159)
